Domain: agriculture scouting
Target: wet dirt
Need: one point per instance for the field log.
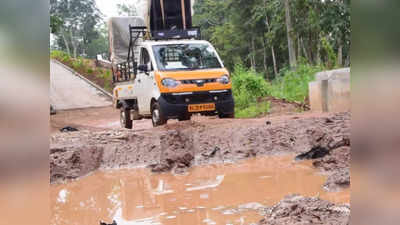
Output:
(179, 146)
(299, 210)
(91, 119)
(209, 194)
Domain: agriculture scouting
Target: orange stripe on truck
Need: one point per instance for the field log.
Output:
(192, 75)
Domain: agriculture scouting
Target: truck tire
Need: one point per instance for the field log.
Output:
(185, 117)
(125, 118)
(157, 116)
(226, 116)
(135, 115)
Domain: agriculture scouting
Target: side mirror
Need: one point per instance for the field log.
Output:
(144, 68)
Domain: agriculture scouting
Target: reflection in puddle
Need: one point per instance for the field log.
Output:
(214, 194)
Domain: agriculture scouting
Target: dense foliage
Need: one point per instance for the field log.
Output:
(254, 32)
(249, 87)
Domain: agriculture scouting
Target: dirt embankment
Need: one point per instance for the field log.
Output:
(178, 146)
(298, 210)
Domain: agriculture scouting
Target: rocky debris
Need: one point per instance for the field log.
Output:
(177, 164)
(68, 129)
(337, 165)
(315, 153)
(176, 151)
(338, 180)
(211, 153)
(298, 210)
(337, 159)
(178, 146)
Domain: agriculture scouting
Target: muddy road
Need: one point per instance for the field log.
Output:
(106, 162)
(211, 194)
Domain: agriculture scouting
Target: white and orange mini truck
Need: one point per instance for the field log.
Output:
(163, 70)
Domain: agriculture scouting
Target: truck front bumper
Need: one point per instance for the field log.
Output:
(176, 105)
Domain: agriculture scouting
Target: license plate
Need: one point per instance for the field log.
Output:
(202, 107)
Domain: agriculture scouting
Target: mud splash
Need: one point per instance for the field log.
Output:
(213, 194)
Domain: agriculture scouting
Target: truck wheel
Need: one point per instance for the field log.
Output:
(157, 117)
(135, 115)
(227, 116)
(125, 118)
(185, 117)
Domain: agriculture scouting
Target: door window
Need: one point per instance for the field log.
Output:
(145, 58)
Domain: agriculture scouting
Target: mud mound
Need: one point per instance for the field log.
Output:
(337, 165)
(177, 151)
(179, 146)
(337, 159)
(70, 163)
(298, 210)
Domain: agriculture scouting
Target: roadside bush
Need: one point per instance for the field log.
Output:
(100, 76)
(292, 85)
(90, 71)
(61, 56)
(247, 87)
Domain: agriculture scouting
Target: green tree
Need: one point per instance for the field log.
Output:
(55, 24)
(260, 33)
(79, 21)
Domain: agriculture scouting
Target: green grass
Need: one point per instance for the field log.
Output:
(292, 85)
(248, 86)
(253, 110)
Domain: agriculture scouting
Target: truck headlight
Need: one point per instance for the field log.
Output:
(170, 83)
(224, 79)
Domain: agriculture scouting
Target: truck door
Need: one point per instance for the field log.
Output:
(145, 80)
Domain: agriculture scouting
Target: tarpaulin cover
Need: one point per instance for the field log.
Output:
(118, 28)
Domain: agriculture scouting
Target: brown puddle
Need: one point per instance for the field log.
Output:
(214, 194)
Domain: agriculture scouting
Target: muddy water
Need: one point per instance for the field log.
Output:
(215, 194)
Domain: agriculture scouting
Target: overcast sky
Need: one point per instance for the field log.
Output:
(109, 7)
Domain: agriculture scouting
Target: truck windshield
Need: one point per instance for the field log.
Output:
(186, 57)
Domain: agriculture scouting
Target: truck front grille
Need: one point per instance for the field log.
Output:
(197, 97)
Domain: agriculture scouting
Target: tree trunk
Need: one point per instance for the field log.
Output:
(318, 52)
(74, 46)
(298, 48)
(311, 50)
(265, 59)
(348, 61)
(304, 50)
(65, 41)
(289, 30)
(274, 61)
(272, 49)
(340, 54)
(252, 55)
